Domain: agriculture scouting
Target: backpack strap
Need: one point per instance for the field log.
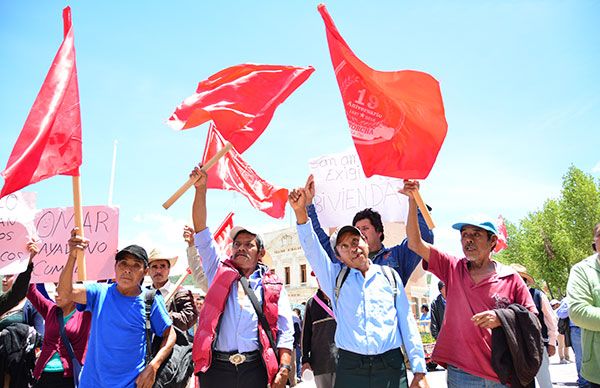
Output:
(339, 281)
(391, 278)
(149, 301)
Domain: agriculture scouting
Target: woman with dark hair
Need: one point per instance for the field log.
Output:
(54, 367)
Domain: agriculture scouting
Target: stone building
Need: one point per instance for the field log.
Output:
(290, 264)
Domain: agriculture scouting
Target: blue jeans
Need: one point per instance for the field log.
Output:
(458, 378)
(298, 361)
(576, 345)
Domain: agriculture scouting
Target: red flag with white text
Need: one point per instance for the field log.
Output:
(240, 100)
(231, 172)
(396, 118)
(50, 142)
(222, 238)
(502, 242)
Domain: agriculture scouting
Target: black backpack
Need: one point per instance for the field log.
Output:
(177, 369)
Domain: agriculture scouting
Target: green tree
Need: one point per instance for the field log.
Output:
(551, 240)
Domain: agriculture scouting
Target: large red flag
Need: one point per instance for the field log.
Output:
(50, 141)
(222, 237)
(396, 118)
(231, 172)
(240, 100)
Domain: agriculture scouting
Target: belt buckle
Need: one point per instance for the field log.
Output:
(237, 359)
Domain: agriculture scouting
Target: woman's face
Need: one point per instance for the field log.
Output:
(7, 282)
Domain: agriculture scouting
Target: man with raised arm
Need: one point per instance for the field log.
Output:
(476, 286)
(368, 221)
(373, 316)
(238, 344)
(116, 350)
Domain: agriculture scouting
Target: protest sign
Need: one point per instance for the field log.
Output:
(342, 190)
(54, 225)
(16, 226)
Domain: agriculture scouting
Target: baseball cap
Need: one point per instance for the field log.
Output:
(487, 225)
(239, 229)
(134, 250)
(333, 239)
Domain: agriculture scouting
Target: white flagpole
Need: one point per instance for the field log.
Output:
(111, 186)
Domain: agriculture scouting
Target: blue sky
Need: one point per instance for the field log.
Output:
(519, 80)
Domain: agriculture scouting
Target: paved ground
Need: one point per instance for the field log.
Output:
(563, 375)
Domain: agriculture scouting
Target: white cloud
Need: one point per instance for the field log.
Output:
(596, 168)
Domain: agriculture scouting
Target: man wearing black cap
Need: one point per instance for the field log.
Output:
(117, 344)
(245, 333)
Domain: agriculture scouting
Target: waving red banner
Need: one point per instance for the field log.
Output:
(50, 141)
(240, 100)
(396, 118)
(502, 242)
(231, 172)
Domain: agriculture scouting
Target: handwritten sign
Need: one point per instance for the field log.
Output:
(342, 190)
(100, 225)
(16, 226)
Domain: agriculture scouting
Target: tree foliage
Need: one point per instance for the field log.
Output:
(551, 240)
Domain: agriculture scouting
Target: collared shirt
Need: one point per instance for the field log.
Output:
(239, 323)
(369, 321)
(165, 290)
(399, 257)
(460, 343)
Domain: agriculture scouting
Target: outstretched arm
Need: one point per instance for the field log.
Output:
(68, 290)
(413, 234)
(309, 189)
(18, 290)
(199, 206)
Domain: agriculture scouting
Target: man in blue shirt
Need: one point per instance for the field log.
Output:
(373, 316)
(368, 221)
(117, 343)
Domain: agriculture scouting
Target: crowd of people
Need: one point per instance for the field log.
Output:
(492, 327)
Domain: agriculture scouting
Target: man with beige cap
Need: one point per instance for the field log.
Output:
(548, 321)
(181, 307)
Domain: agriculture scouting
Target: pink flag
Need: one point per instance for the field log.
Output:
(222, 238)
(50, 141)
(240, 100)
(231, 172)
(502, 235)
(396, 118)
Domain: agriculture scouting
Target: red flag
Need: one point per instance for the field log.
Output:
(50, 141)
(231, 172)
(222, 238)
(396, 118)
(502, 235)
(240, 100)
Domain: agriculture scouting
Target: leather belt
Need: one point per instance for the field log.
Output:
(236, 358)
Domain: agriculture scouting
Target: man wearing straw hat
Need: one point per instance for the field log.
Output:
(180, 305)
(548, 322)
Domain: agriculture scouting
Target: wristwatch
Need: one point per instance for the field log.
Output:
(285, 366)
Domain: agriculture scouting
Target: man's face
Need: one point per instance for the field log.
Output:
(245, 253)
(7, 282)
(199, 303)
(159, 272)
(443, 292)
(130, 271)
(353, 251)
(372, 236)
(475, 242)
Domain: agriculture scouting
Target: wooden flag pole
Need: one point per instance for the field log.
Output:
(424, 211)
(78, 217)
(190, 181)
(177, 285)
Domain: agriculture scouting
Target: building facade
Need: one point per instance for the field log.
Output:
(290, 264)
